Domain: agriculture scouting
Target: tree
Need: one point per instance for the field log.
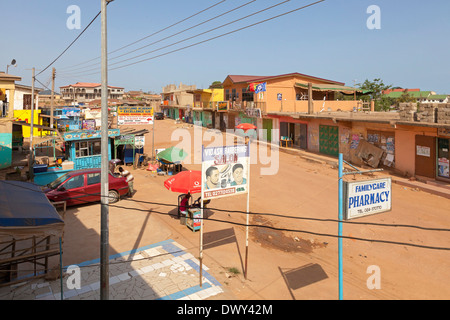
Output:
(216, 84)
(374, 91)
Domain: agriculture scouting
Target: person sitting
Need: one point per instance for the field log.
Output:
(184, 204)
(129, 177)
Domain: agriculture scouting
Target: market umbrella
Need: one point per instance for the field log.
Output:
(246, 126)
(172, 154)
(185, 181)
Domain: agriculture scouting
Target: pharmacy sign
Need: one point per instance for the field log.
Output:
(367, 197)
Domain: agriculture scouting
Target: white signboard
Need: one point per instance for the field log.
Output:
(225, 171)
(367, 197)
(423, 151)
(130, 120)
(139, 141)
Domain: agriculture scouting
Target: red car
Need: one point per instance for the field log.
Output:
(83, 186)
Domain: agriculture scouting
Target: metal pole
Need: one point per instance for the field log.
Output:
(153, 136)
(201, 223)
(52, 99)
(340, 225)
(31, 159)
(104, 236)
(248, 213)
(61, 268)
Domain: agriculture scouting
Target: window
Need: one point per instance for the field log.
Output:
(75, 182)
(87, 148)
(93, 178)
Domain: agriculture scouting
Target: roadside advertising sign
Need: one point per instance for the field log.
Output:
(222, 106)
(135, 110)
(134, 115)
(367, 197)
(130, 120)
(225, 171)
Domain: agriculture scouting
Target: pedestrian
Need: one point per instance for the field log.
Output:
(129, 177)
(184, 204)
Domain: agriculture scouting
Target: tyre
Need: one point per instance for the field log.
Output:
(113, 196)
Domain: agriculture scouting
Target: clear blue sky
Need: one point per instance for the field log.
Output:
(329, 40)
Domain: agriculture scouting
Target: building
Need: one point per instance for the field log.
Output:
(176, 100)
(419, 95)
(273, 103)
(45, 98)
(83, 92)
(7, 91)
(206, 102)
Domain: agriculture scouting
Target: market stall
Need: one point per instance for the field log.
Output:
(82, 151)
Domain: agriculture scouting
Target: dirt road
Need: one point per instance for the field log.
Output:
(300, 264)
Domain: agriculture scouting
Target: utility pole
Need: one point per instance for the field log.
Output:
(31, 157)
(53, 97)
(104, 227)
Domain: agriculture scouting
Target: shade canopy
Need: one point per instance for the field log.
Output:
(25, 209)
(246, 126)
(172, 154)
(185, 182)
(330, 87)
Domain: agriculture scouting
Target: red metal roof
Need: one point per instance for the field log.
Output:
(245, 78)
(88, 85)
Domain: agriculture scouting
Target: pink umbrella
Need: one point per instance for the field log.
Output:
(246, 126)
(185, 181)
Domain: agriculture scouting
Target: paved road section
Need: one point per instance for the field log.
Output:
(161, 271)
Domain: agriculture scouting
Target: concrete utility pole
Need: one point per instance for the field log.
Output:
(104, 225)
(31, 157)
(52, 99)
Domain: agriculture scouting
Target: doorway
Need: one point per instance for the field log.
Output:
(425, 156)
(443, 158)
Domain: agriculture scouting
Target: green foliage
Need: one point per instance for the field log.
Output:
(216, 85)
(374, 91)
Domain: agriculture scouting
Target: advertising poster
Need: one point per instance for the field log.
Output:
(134, 115)
(225, 171)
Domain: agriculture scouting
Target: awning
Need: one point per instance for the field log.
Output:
(25, 209)
(331, 87)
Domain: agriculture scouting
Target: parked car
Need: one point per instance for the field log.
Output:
(159, 116)
(83, 186)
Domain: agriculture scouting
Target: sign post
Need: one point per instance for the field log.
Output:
(225, 172)
(361, 198)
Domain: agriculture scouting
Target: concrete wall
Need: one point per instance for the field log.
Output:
(5, 145)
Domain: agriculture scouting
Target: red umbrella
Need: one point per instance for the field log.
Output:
(185, 181)
(246, 126)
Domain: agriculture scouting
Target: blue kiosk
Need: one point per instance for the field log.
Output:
(82, 151)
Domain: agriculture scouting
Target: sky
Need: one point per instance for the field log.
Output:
(404, 42)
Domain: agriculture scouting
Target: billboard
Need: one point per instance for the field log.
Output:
(222, 106)
(225, 171)
(130, 120)
(367, 197)
(134, 115)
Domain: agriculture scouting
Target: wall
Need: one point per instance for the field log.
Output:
(5, 145)
(25, 115)
(405, 147)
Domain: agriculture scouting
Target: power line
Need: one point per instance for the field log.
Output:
(195, 36)
(148, 36)
(270, 227)
(207, 40)
(92, 21)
